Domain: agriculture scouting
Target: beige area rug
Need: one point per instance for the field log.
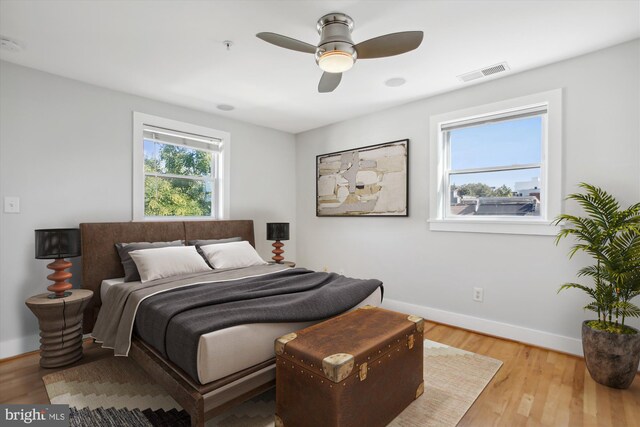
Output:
(116, 391)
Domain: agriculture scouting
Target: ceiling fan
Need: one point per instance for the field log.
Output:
(336, 52)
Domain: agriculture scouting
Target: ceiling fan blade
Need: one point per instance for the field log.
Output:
(389, 45)
(287, 42)
(329, 81)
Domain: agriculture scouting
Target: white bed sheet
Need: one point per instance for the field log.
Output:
(106, 284)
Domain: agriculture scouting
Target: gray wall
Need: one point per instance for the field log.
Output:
(66, 151)
(520, 274)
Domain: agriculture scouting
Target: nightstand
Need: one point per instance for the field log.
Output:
(287, 263)
(60, 322)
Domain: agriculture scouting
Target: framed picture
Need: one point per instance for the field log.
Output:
(366, 181)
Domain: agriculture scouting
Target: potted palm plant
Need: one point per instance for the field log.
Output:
(611, 236)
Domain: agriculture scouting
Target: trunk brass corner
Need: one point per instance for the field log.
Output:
(278, 421)
(363, 371)
(282, 341)
(419, 321)
(337, 366)
(420, 390)
(367, 307)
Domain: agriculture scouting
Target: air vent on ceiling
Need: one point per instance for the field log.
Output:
(487, 71)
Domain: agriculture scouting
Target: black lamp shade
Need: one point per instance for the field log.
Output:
(57, 243)
(277, 231)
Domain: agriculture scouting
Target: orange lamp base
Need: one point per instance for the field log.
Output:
(60, 277)
(277, 257)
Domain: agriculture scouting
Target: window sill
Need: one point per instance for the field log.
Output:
(176, 218)
(495, 226)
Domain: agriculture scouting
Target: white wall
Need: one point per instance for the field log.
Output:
(435, 271)
(66, 151)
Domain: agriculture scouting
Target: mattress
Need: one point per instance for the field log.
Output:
(226, 351)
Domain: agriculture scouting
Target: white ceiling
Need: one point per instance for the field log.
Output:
(172, 50)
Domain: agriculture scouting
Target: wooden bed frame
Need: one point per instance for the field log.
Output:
(100, 261)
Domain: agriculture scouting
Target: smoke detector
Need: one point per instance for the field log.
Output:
(395, 81)
(484, 72)
(9, 44)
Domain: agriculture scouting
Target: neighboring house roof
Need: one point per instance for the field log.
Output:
(496, 206)
(506, 205)
(463, 209)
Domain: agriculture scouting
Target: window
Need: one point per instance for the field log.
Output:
(497, 167)
(493, 165)
(178, 170)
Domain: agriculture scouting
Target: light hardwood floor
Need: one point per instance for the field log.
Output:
(534, 387)
(538, 387)
(21, 377)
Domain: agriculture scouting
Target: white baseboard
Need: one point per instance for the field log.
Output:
(491, 327)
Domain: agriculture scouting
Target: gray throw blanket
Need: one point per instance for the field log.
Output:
(173, 321)
(114, 325)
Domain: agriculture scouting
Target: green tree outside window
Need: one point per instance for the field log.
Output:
(173, 196)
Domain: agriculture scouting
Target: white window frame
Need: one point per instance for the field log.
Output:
(222, 184)
(550, 171)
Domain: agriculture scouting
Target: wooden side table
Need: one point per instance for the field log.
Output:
(287, 263)
(60, 322)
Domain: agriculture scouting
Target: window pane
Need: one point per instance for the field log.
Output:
(510, 193)
(176, 197)
(506, 143)
(171, 159)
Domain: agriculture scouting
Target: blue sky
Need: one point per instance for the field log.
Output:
(497, 144)
(152, 149)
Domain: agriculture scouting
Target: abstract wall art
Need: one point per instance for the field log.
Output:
(367, 181)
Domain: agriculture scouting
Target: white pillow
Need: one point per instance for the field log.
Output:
(232, 255)
(158, 263)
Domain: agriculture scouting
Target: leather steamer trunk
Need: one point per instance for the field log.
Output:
(359, 369)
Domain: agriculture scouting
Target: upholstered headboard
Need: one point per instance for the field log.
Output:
(100, 258)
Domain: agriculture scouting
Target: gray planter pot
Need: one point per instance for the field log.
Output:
(612, 359)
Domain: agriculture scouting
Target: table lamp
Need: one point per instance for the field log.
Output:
(278, 231)
(58, 244)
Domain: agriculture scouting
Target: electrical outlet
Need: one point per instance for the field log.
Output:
(325, 269)
(12, 204)
(478, 294)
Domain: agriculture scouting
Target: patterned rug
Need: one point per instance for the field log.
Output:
(115, 392)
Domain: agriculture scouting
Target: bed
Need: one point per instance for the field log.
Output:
(233, 363)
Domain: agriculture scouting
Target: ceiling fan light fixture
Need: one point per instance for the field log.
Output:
(336, 52)
(335, 61)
